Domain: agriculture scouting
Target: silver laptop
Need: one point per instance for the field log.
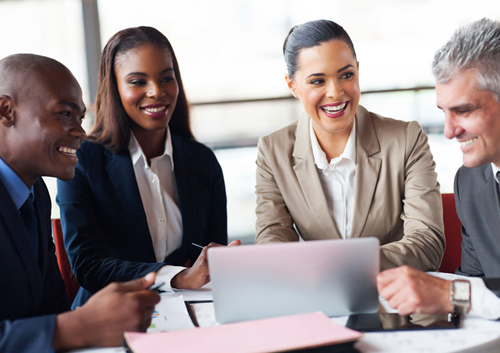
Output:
(253, 282)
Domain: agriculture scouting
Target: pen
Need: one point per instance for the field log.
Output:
(201, 247)
(156, 287)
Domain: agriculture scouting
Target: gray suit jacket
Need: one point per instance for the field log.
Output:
(478, 207)
(397, 195)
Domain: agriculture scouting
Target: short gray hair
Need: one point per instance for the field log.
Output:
(476, 46)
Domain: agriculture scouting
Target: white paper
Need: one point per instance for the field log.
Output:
(205, 314)
(478, 335)
(202, 294)
(170, 314)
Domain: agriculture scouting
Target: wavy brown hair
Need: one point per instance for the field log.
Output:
(112, 125)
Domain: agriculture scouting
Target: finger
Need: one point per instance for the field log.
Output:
(389, 282)
(150, 278)
(389, 275)
(236, 242)
(406, 309)
(387, 291)
(147, 298)
(138, 284)
(410, 298)
(397, 278)
(212, 245)
(402, 303)
(382, 281)
(147, 319)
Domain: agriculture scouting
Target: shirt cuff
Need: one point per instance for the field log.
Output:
(165, 274)
(484, 303)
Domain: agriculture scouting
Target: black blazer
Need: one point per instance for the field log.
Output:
(31, 293)
(104, 224)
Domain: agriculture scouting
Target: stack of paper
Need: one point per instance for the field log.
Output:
(269, 335)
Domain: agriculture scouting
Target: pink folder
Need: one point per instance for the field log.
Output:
(268, 335)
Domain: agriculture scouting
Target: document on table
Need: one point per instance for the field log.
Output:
(170, 315)
(202, 294)
(205, 314)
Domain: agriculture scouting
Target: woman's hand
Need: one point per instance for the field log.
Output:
(197, 275)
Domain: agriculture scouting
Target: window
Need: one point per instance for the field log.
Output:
(230, 56)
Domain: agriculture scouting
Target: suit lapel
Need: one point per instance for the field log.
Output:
(121, 173)
(307, 175)
(367, 169)
(20, 238)
(489, 203)
(186, 178)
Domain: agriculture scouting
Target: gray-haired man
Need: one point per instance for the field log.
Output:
(467, 72)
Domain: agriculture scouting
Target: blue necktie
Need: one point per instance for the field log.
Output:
(29, 217)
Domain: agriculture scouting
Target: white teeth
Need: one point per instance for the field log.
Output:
(155, 110)
(467, 142)
(332, 109)
(67, 150)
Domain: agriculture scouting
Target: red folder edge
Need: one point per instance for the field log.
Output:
(268, 335)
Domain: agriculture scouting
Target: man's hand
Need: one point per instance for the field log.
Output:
(117, 308)
(412, 291)
(197, 275)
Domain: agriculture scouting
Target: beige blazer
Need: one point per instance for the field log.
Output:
(397, 196)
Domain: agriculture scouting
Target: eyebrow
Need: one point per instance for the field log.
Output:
(137, 73)
(466, 106)
(339, 70)
(73, 105)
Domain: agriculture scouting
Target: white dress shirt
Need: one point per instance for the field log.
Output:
(337, 178)
(495, 171)
(160, 200)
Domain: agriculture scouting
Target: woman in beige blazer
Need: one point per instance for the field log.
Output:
(342, 171)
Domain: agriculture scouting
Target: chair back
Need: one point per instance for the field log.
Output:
(452, 232)
(72, 285)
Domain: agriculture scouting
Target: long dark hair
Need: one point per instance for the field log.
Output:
(311, 34)
(112, 125)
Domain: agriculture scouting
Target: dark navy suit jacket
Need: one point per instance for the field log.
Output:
(31, 292)
(104, 224)
(478, 207)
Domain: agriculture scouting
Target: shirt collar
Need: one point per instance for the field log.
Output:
(14, 185)
(137, 154)
(495, 171)
(320, 155)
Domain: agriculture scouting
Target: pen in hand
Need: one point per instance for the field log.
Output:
(199, 246)
(156, 287)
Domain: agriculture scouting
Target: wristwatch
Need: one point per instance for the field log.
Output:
(460, 296)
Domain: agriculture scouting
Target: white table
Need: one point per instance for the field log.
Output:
(477, 335)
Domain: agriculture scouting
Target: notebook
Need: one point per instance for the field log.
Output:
(337, 277)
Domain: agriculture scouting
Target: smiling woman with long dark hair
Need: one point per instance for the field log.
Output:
(144, 189)
(341, 171)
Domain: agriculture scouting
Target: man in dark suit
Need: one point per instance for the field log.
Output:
(467, 71)
(41, 110)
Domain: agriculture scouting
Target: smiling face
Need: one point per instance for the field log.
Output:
(148, 87)
(41, 126)
(472, 116)
(327, 84)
